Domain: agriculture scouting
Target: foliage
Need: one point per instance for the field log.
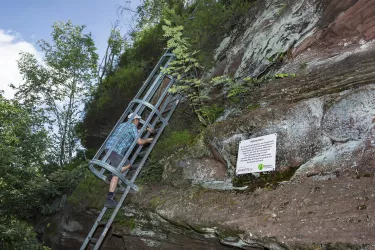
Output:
(268, 180)
(211, 113)
(150, 12)
(222, 80)
(23, 142)
(186, 69)
(166, 146)
(172, 143)
(153, 173)
(18, 235)
(206, 22)
(283, 75)
(60, 83)
(112, 95)
(90, 192)
(237, 91)
(25, 188)
(252, 106)
(115, 46)
(23, 139)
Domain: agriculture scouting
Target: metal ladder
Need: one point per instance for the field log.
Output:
(157, 104)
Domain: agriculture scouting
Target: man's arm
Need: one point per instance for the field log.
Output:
(144, 141)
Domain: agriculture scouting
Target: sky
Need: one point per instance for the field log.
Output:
(24, 22)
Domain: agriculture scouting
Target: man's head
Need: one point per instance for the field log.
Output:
(136, 118)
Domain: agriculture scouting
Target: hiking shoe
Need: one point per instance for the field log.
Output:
(110, 203)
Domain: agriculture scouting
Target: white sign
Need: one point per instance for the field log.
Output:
(257, 155)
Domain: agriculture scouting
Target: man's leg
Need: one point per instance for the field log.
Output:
(115, 161)
(114, 181)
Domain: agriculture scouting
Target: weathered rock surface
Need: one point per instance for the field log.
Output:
(324, 119)
(134, 228)
(317, 211)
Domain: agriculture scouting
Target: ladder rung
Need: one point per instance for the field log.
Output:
(93, 240)
(121, 191)
(134, 166)
(166, 110)
(173, 100)
(102, 223)
(142, 153)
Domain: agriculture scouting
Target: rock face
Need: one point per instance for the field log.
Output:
(275, 29)
(324, 119)
(325, 122)
(134, 228)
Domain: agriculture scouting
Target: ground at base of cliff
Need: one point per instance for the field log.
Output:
(317, 209)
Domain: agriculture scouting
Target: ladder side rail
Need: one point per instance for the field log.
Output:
(160, 78)
(149, 94)
(130, 149)
(144, 158)
(148, 133)
(93, 229)
(111, 219)
(157, 66)
(164, 106)
(123, 116)
(171, 111)
(154, 85)
(165, 92)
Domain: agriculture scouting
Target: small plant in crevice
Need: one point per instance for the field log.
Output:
(252, 106)
(237, 92)
(211, 113)
(282, 8)
(303, 66)
(151, 174)
(268, 180)
(284, 75)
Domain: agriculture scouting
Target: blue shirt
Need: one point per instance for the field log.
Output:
(127, 132)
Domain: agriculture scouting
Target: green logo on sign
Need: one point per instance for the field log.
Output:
(260, 166)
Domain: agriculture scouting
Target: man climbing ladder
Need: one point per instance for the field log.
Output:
(124, 147)
(124, 135)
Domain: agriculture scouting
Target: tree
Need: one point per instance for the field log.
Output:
(18, 235)
(60, 83)
(115, 45)
(25, 189)
(186, 68)
(23, 139)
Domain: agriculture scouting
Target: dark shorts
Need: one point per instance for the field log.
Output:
(115, 159)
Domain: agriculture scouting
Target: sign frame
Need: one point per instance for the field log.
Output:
(257, 155)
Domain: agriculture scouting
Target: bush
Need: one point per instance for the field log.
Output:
(172, 143)
(211, 21)
(90, 192)
(18, 235)
(211, 113)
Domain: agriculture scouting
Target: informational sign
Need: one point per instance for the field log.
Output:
(257, 155)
